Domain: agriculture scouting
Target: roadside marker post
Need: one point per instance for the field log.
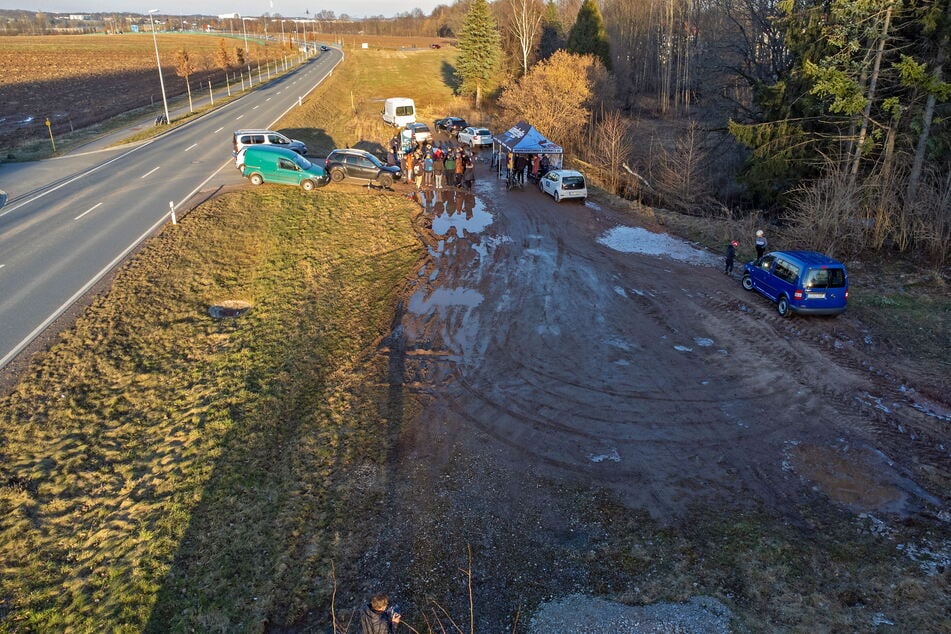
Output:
(49, 126)
(171, 206)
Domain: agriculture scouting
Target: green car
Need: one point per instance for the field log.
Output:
(269, 164)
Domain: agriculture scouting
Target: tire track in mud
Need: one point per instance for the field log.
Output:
(899, 429)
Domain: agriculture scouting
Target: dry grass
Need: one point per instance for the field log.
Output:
(156, 456)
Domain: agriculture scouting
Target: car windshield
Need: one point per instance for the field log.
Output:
(825, 278)
(374, 160)
(483, 132)
(303, 163)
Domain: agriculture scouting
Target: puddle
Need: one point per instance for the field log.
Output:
(421, 304)
(228, 309)
(855, 478)
(612, 456)
(683, 349)
(703, 342)
(455, 209)
(637, 240)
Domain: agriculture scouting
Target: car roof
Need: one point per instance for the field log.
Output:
(808, 257)
(351, 150)
(270, 149)
(567, 173)
(256, 131)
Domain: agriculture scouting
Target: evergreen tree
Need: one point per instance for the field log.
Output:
(480, 50)
(553, 32)
(588, 35)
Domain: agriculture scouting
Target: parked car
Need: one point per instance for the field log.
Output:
(474, 136)
(561, 184)
(360, 164)
(803, 282)
(420, 131)
(324, 48)
(434, 45)
(398, 111)
(272, 164)
(244, 138)
(450, 125)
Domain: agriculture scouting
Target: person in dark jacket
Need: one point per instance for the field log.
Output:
(377, 617)
(730, 256)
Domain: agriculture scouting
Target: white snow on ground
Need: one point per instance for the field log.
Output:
(580, 614)
(422, 304)
(637, 240)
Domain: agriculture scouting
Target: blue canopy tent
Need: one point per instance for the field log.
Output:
(523, 138)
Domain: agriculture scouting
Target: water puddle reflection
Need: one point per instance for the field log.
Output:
(455, 209)
(637, 240)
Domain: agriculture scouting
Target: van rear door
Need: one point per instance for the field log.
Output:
(825, 287)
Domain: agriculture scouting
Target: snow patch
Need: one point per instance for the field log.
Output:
(638, 240)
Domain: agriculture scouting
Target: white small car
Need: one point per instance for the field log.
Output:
(563, 184)
(473, 136)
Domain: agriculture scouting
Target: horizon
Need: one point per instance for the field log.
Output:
(248, 8)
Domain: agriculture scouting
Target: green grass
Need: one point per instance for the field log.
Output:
(165, 468)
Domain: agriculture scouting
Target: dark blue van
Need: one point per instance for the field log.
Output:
(803, 282)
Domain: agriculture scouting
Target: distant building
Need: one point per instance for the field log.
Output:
(79, 16)
(229, 16)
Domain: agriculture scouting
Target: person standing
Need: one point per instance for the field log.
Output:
(760, 243)
(460, 168)
(378, 618)
(428, 167)
(450, 165)
(468, 175)
(730, 256)
(536, 164)
(439, 166)
(408, 172)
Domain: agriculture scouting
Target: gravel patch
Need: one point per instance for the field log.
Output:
(580, 614)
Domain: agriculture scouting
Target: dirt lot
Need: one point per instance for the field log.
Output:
(599, 418)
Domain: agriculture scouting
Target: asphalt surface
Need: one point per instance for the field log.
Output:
(69, 221)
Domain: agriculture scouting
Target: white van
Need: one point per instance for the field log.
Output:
(244, 138)
(398, 111)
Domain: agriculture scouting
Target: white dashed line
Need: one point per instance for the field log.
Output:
(2, 265)
(191, 146)
(90, 209)
(268, 99)
(255, 107)
(218, 130)
(144, 175)
(239, 116)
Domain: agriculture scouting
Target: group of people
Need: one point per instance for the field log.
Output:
(433, 166)
(518, 165)
(759, 242)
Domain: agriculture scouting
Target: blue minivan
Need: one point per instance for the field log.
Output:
(804, 282)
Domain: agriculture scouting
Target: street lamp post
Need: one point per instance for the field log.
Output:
(158, 63)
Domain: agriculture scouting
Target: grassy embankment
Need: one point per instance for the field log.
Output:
(166, 470)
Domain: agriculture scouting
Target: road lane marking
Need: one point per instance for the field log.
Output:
(255, 107)
(2, 265)
(191, 146)
(144, 175)
(268, 99)
(239, 116)
(218, 130)
(88, 210)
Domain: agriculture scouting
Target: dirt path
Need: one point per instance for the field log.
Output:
(560, 375)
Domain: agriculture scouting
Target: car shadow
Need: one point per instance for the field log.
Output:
(318, 142)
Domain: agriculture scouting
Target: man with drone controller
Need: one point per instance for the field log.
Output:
(378, 617)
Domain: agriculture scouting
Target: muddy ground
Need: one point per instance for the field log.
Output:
(579, 377)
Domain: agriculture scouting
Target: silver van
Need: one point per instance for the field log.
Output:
(245, 138)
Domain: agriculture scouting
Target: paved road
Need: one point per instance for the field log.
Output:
(69, 221)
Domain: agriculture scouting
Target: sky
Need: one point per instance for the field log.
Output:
(287, 8)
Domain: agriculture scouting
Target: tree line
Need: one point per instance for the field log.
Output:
(830, 116)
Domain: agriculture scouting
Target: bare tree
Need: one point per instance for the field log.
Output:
(612, 148)
(185, 68)
(524, 26)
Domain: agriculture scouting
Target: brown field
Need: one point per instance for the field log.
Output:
(78, 81)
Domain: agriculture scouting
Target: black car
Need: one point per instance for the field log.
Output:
(324, 47)
(451, 125)
(360, 164)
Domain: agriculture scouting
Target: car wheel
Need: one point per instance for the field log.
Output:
(541, 187)
(256, 179)
(337, 175)
(386, 181)
(581, 200)
(557, 197)
(308, 185)
(747, 282)
(782, 307)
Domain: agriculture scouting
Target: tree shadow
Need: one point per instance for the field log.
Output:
(318, 142)
(449, 77)
(372, 147)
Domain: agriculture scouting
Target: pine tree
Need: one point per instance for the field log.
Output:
(588, 35)
(553, 32)
(480, 50)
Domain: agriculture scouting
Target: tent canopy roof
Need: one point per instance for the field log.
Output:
(523, 138)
